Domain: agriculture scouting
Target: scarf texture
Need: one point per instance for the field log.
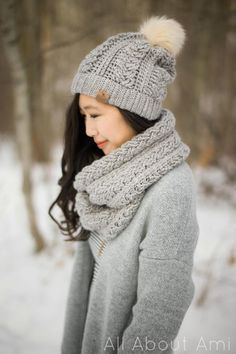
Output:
(110, 189)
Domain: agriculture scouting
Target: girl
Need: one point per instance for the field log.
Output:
(128, 197)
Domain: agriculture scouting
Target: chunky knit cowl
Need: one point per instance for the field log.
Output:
(110, 189)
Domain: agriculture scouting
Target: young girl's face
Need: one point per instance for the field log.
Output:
(104, 123)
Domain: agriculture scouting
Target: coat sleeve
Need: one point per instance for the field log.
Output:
(164, 286)
(76, 306)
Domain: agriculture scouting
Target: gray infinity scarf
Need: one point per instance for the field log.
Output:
(110, 189)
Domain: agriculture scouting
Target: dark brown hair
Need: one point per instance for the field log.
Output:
(81, 150)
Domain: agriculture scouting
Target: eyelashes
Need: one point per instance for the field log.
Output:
(92, 116)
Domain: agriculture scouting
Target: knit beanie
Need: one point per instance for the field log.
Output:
(132, 70)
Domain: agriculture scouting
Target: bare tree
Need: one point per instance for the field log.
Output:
(22, 107)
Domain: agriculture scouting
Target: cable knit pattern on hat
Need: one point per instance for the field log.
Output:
(110, 189)
(134, 68)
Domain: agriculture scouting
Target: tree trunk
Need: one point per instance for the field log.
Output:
(21, 93)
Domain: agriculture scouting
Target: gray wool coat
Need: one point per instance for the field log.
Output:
(143, 285)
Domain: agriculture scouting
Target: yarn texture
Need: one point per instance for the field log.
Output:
(110, 189)
(132, 277)
(143, 286)
(134, 68)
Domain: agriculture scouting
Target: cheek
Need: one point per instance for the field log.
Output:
(125, 132)
(105, 129)
(109, 129)
(115, 130)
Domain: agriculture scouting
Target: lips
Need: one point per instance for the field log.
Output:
(101, 143)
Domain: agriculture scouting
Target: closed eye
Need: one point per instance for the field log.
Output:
(92, 116)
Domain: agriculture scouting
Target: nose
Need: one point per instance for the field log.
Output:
(90, 127)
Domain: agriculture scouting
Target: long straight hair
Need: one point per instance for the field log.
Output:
(81, 150)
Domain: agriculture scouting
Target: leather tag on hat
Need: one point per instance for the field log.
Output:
(102, 96)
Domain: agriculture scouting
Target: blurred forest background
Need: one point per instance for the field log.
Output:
(42, 44)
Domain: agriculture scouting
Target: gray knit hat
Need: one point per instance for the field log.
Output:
(132, 70)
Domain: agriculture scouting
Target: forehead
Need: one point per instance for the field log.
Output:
(87, 101)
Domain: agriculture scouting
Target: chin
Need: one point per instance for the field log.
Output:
(108, 149)
(106, 152)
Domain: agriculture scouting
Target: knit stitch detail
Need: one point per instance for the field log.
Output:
(110, 189)
(134, 74)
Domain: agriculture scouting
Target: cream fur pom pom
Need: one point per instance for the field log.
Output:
(163, 32)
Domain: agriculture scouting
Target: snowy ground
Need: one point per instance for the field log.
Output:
(34, 287)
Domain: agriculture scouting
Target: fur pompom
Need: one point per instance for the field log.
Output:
(165, 33)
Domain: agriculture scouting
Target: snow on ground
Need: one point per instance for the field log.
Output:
(34, 287)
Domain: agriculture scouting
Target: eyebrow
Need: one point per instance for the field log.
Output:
(86, 107)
